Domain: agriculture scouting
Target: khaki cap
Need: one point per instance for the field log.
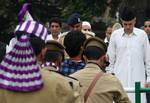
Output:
(54, 46)
(95, 42)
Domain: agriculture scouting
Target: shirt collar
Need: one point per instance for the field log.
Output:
(93, 66)
(133, 33)
(50, 66)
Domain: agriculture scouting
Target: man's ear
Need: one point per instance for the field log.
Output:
(103, 58)
(43, 52)
(41, 55)
(81, 49)
(85, 58)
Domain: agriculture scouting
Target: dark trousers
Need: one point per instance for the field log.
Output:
(148, 97)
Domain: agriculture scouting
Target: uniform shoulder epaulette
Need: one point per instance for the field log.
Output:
(63, 74)
(57, 72)
(72, 78)
(63, 34)
(73, 82)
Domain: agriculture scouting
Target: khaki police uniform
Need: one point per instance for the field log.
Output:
(88, 34)
(56, 89)
(62, 36)
(61, 41)
(107, 88)
(73, 82)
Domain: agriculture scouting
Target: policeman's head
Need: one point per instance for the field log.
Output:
(55, 52)
(74, 22)
(95, 51)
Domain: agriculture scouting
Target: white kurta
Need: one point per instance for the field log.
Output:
(50, 37)
(129, 57)
(12, 42)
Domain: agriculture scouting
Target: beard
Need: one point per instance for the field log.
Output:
(128, 31)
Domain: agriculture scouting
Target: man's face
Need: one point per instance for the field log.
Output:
(76, 27)
(55, 28)
(108, 32)
(128, 26)
(147, 27)
(86, 28)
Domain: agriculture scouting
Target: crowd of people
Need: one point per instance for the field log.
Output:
(75, 66)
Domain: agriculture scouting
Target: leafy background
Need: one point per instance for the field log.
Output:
(98, 12)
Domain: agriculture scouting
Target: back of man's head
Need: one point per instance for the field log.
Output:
(73, 42)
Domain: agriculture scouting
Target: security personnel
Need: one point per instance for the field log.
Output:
(21, 78)
(99, 87)
(74, 23)
(54, 55)
(53, 59)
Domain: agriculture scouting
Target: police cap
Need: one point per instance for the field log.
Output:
(74, 19)
(55, 46)
(95, 42)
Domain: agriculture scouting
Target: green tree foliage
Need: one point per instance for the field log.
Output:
(8, 12)
(43, 10)
(88, 8)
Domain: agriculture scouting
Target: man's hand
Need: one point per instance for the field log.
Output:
(147, 84)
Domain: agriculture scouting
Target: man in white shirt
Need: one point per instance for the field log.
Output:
(108, 33)
(55, 26)
(128, 52)
(147, 30)
(147, 27)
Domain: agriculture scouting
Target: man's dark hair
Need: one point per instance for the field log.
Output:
(93, 53)
(73, 42)
(127, 13)
(55, 20)
(37, 44)
(53, 56)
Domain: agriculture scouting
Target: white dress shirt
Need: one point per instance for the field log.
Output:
(12, 42)
(50, 37)
(129, 57)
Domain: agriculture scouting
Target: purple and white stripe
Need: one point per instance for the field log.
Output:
(19, 70)
(47, 64)
(23, 13)
(32, 27)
